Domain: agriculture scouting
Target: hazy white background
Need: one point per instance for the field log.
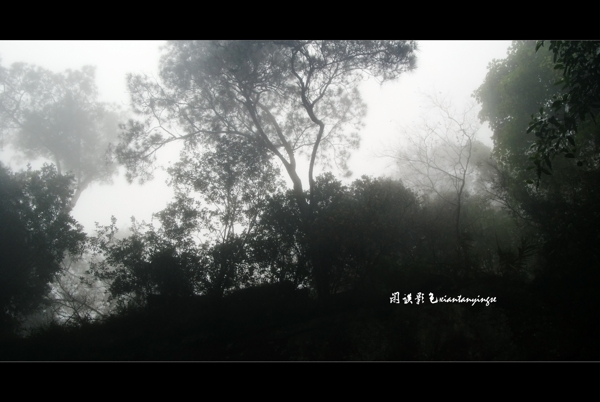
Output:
(453, 69)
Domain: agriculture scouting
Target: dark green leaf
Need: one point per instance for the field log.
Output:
(548, 162)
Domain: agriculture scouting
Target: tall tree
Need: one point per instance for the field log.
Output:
(286, 97)
(514, 89)
(58, 116)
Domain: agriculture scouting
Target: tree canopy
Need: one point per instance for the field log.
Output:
(558, 124)
(286, 97)
(35, 236)
(58, 116)
(515, 88)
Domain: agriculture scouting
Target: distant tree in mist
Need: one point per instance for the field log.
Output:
(57, 116)
(445, 161)
(462, 225)
(443, 157)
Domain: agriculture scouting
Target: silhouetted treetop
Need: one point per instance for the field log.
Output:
(286, 97)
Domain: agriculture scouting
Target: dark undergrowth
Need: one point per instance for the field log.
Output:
(258, 325)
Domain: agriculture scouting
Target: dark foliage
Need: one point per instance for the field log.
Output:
(558, 124)
(35, 236)
(239, 269)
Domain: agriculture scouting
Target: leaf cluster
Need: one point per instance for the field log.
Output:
(142, 264)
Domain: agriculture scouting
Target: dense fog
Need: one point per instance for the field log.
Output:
(299, 200)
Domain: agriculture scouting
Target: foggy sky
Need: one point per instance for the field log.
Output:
(448, 68)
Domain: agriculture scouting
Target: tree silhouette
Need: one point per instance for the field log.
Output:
(143, 264)
(35, 235)
(285, 97)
